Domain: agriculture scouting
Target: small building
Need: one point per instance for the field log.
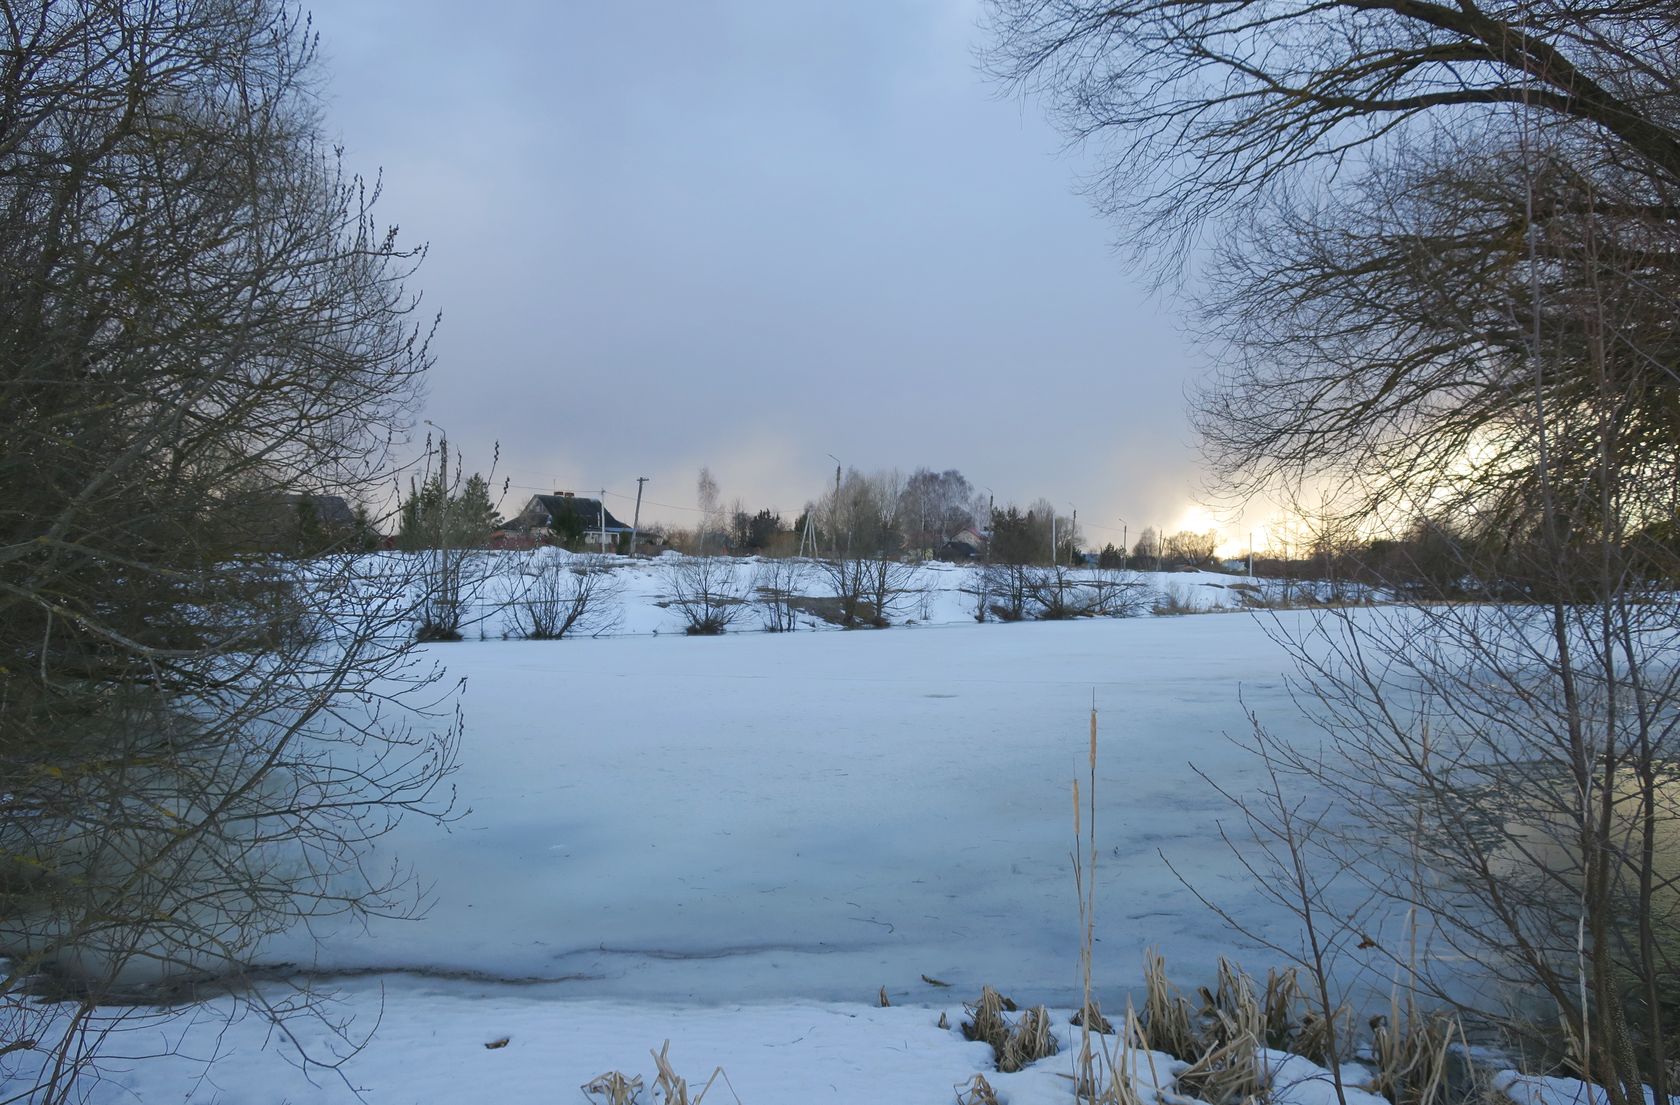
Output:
(570, 519)
(330, 511)
(956, 551)
(298, 524)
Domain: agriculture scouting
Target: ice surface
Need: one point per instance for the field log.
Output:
(819, 814)
(733, 842)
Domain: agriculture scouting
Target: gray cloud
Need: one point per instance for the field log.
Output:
(749, 235)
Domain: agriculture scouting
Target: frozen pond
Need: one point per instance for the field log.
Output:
(816, 815)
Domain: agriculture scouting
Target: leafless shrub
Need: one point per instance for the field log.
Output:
(776, 585)
(977, 586)
(1174, 602)
(870, 590)
(451, 569)
(201, 317)
(1056, 592)
(1010, 589)
(1115, 593)
(560, 597)
(707, 592)
(1466, 314)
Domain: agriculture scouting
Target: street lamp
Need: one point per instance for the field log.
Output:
(836, 461)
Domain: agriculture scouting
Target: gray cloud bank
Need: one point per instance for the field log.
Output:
(749, 235)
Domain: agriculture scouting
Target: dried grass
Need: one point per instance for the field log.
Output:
(1231, 1011)
(1167, 1015)
(1279, 1007)
(1173, 603)
(1411, 1060)
(1227, 1075)
(1014, 1046)
(1091, 1017)
(673, 1089)
(612, 1088)
(985, 1021)
(1315, 1037)
(1029, 1042)
(976, 1091)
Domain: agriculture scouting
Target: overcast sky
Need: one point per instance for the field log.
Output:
(751, 234)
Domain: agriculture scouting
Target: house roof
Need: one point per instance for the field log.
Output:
(588, 511)
(330, 510)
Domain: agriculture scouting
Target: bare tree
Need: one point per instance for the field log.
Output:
(445, 527)
(711, 527)
(1010, 589)
(1189, 549)
(934, 506)
(1115, 593)
(869, 591)
(1056, 592)
(1147, 552)
(1448, 268)
(560, 596)
(863, 514)
(707, 592)
(198, 317)
(776, 584)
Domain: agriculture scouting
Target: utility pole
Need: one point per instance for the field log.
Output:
(836, 553)
(636, 518)
(1125, 550)
(1250, 554)
(602, 503)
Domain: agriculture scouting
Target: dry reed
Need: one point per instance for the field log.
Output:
(1166, 1013)
(1013, 1045)
(612, 1088)
(1029, 1042)
(673, 1089)
(1411, 1053)
(1227, 1074)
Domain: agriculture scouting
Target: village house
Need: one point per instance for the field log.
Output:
(570, 519)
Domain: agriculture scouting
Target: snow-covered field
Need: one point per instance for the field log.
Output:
(818, 814)
(821, 814)
(735, 842)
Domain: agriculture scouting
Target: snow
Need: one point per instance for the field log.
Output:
(1295, 1080)
(733, 842)
(757, 816)
(1530, 1089)
(447, 1041)
(495, 580)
